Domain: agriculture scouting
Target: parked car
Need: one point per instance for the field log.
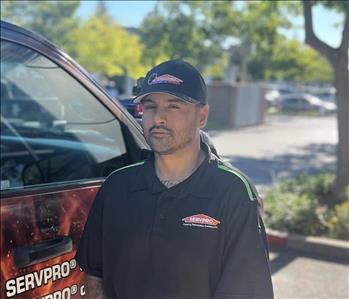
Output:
(275, 92)
(327, 94)
(135, 109)
(61, 135)
(305, 102)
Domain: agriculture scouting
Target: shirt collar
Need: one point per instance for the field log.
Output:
(146, 178)
(195, 184)
(200, 179)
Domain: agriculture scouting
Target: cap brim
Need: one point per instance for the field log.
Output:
(180, 96)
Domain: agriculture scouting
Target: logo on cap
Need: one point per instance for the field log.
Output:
(169, 79)
(201, 220)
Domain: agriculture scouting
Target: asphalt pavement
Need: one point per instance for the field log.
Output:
(287, 146)
(297, 275)
(282, 146)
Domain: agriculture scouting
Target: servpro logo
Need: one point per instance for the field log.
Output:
(201, 220)
(17, 286)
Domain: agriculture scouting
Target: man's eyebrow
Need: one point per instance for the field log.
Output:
(175, 100)
(147, 100)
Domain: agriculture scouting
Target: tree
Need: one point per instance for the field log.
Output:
(338, 57)
(105, 48)
(254, 28)
(52, 19)
(173, 30)
(258, 32)
(102, 10)
(291, 60)
(198, 31)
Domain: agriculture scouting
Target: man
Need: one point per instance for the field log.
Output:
(181, 225)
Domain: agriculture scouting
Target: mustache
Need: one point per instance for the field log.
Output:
(162, 127)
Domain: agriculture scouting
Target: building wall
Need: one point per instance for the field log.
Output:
(236, 105)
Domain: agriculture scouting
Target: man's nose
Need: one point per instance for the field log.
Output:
(160, 116)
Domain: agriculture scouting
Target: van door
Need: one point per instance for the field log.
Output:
(58, 143)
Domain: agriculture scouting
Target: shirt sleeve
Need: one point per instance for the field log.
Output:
(246, 272)
(89, 252)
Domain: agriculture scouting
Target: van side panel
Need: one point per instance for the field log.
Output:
(29, 222)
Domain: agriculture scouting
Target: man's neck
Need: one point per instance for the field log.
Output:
(175, 168)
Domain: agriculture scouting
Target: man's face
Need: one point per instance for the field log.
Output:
(171, 124)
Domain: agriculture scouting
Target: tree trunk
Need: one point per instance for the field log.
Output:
(339, 60)
(243, 71)
(342, 97)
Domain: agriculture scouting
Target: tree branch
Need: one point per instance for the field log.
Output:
(345, 34)
(311, 39)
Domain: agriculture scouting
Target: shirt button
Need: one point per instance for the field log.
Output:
(162, 216)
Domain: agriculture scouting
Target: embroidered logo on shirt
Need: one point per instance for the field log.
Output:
(154, 79)
(201, 220)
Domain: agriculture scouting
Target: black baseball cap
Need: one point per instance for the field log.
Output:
(175, 77)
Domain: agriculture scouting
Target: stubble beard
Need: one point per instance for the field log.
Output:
(170, 144)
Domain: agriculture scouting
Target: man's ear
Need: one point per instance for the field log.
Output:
(203, 116)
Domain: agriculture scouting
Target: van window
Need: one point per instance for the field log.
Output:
(52, 128)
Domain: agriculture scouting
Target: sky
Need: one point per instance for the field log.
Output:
(131, 13)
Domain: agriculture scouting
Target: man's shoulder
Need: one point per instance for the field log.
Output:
(130, 167)
(126, 172)
(228, 175)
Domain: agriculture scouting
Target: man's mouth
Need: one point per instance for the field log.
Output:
(159, 133)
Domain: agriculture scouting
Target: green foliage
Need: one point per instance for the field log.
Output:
(99, 44)
(175, 30)
(341, 6)
(198, 31)
(259, 22)
(292, 213)
(107, 49)
(292, 60)
(319, 185)
(215, 71)
(279, 58)
(52, 19)
(338, 224)
(305, 205)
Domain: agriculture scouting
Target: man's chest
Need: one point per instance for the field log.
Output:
(166, 223)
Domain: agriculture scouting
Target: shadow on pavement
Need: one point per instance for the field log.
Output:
(264, 171)
(285, 256)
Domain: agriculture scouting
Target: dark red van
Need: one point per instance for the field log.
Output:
(61, 135)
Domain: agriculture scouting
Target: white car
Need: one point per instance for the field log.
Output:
(305, 102)
(274, 94)
(327, 94)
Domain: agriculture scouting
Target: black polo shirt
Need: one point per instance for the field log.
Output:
(200, 239)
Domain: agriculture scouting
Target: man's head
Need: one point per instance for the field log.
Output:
(175, 107)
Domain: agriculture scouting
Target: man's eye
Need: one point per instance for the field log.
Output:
(175, 107)
(149, 107)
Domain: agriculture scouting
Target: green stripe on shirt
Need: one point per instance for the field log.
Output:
(241, 177)
(129, 166)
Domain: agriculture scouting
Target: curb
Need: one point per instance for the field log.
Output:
(315, 245)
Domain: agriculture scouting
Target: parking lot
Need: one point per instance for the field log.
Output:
(297, 275)
(283, 145)
(286, 146)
